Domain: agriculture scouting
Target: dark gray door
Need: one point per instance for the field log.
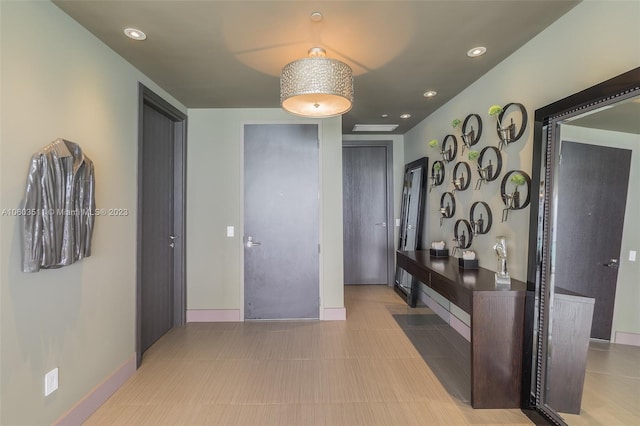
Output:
(592, 196)
(281, 221)
(156, 261)
(365, 215)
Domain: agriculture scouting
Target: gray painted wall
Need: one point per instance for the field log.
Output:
(57, 80)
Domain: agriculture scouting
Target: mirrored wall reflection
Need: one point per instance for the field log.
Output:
(413, 200)
(587, 239)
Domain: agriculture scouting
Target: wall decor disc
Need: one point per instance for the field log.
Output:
(437, 174)
(480, 224)
(461, 178)
(487, 170)
(471, 136)
(449, 148)
(513, 200)
(463, 239)
(511, 132)
(447, 206)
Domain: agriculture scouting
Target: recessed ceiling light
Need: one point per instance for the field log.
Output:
(429, 94)
(316, 16)
(384, 115)
(135, 34)
(405, 116)
(477, 51)
(375, 127)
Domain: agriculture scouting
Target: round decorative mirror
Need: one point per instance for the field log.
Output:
(471, 136)
(437, 174)
(511, 132)
(487, 169)
(480, 223)
(447, 206)
(449, 148)
(461, 176)
(463, 234)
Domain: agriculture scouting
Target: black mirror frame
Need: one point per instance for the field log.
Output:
(423, 162)
(532, 368)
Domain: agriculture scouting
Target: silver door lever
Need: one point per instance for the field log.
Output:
(251, 243)
(383, 224)
(613, 264)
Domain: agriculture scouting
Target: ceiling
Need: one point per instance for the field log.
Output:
(228, 54)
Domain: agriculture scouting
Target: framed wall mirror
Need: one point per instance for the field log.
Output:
(412, 217)
(582, 322)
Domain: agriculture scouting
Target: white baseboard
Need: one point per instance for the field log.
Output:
(463, 329)
(335, 314)
(458, 325)
(213, 315)
(632, 339)
(94, 399)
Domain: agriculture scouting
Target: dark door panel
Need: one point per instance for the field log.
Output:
(157, 226)
(365, 215)
(592, 196)
(281, 216)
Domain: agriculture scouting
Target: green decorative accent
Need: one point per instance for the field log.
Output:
(517, 179)
(455, 123)
(495, 110)
(433, 143)
(473, 155)
(437, 166)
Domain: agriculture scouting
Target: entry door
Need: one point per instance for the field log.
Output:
(157, 226)
(592, 196)
(281, 221)
(365, 215)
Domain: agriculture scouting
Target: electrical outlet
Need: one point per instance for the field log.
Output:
(230, 231)
(50, 382)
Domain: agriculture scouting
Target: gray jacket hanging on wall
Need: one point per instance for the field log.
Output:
(59, 207)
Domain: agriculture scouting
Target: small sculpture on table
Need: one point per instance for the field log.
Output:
(502, 275)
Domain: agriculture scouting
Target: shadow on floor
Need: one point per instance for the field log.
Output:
(446, 352)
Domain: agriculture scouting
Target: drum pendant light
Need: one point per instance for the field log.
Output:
(316, 86)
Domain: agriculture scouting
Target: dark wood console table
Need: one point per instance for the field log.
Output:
(497, 323)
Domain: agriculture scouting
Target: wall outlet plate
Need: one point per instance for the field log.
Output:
(50, 382)
(230, 231)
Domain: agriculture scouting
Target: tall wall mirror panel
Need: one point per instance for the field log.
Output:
(583, 273)
(412, 218)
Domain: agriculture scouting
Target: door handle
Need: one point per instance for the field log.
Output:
(383, 224)
(172, 244)
(612, 264)
(251, 243)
